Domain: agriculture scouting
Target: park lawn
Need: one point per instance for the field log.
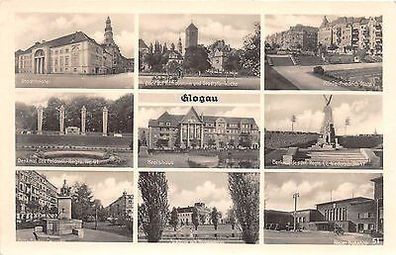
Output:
(108, 227)
(77, 140)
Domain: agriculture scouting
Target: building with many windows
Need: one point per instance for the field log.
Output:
(35, 195)
(192, 130)
(122, 207)
(349, 33)
(185, 214)
(298, 37)
(358, 214)
(75, 53)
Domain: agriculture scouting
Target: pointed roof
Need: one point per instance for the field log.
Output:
(325, 21)
(192, 27)
(192, 112)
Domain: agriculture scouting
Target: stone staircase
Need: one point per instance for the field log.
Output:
(338, 157)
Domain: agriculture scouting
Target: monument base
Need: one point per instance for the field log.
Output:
(143, 152)
(61, 226)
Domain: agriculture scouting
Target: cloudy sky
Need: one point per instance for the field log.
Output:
(187, 188)
(32, 27)
(364, 112)
(105, 186)
(168, 28)
(41, 98)
(314, 188)
(153, 112)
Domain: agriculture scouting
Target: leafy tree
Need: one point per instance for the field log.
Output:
(51, 114)
(244, 191)
(33, 206)
(155, 208)
(232, 219)
(195, 218)
(196, 59)
(215, 217)
(172, 67)
(246, 140)
(82, 201)
(250, 57)
(174, 219)
(233, 62)
(25, 116)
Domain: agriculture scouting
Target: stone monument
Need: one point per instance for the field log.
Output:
(62, 120)
(63, 224)
(105, 120)
(83, 119)
(39, 120)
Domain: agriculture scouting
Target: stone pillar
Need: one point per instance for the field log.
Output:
(39, 120)
(181, 135)
(105, 120)
(202, 135)
(62, 120)
(188, 135)
(83, 119)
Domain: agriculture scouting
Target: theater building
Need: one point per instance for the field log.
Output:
(359, 214)
(121, 207)
(75, 53)
(31, 189)
(192, 130)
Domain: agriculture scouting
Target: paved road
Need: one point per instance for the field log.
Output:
(302, 77)
(239, 83)
(111, 81)
(90, 235)
(314, 237)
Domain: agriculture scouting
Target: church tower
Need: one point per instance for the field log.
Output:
(180, 46)
(108, 35)
(191, 36)
(325, 22)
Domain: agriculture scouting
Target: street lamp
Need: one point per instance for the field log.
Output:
(295, 197)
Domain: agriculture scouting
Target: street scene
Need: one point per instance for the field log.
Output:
(74, 129)
(323, 131)
(198, 207)
(323, 208)
(199, 52)
(74, 51)
(312, 52)
(74, 206)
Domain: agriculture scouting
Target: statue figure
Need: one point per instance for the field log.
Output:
(327, 130)
(65, 190)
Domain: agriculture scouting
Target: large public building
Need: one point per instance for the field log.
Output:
(358, 214)
(75, 53)
(185, 214)
(193, 130)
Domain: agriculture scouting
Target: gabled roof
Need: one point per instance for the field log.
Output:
(75, 37)
(175, 120)
(193, 112)
(192, 27)
(142, 44)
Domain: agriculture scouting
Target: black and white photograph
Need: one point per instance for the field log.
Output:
(87, 206)
(74, 50)
(74, 129)
(323, 131)
(324, 208)
(199, 51)
(198, 207)
(323, 52)
(199, 136)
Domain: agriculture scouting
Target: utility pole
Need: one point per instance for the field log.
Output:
(295, 197)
